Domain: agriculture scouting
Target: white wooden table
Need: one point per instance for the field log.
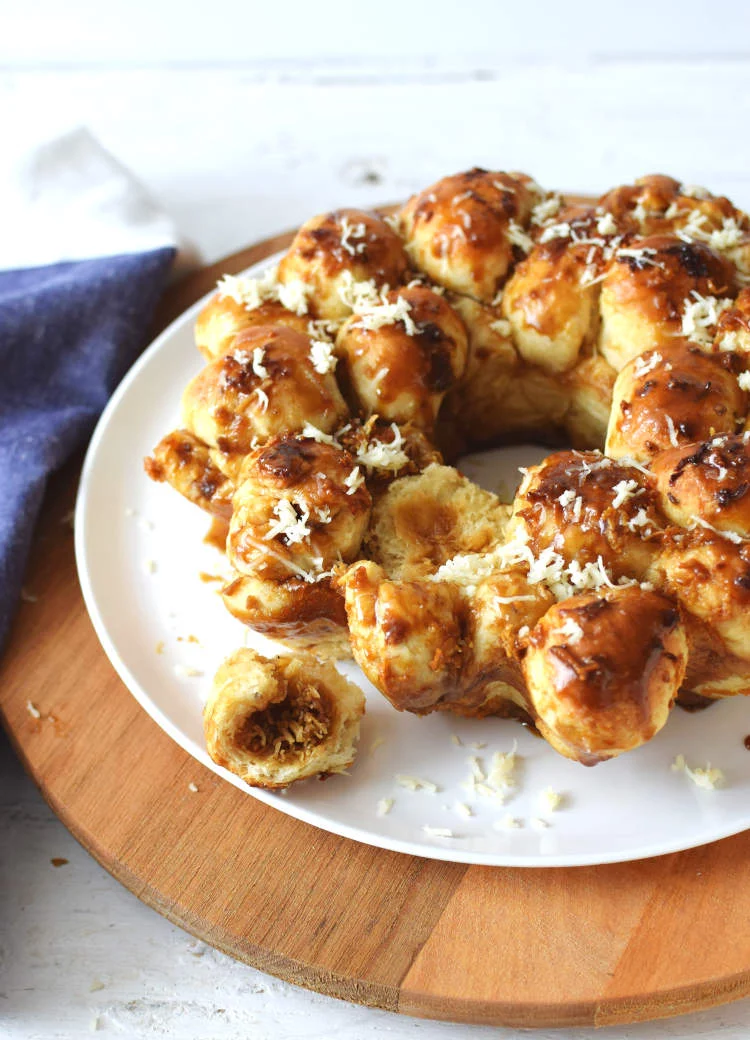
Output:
(245, 122)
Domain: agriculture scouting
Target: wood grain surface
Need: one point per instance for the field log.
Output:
(519, 947)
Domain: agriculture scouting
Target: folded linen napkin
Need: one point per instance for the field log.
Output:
(68, 329)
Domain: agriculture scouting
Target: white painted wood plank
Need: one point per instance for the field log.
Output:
(137, 32)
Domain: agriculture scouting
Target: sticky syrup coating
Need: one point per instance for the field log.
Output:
(603, 671)
(587, 507)
(334, 249)
(551, 309)
(222, 319)
(460, 230)
(298, 614)
(424, 520)
(733, 326)
(230, 406)
(276, 721)
(185, 463)
(406, 636)
(646, 289)
(403, 369)
(294, 512)
(709, 481)
(709, 575)
(672, 396)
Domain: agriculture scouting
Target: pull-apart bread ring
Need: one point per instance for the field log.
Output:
(489, 310)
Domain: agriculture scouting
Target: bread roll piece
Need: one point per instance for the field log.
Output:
(267, 384)
(333, 250)
(401, 360)
(673, 396)
(707, 483)
(467, 230)
(186, 463)
(223, 318)
(651, 287)
(603, 671)
(275, 721)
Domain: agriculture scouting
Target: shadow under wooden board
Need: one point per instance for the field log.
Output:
(518, 947)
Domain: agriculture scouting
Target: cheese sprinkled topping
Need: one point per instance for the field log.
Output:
(385, 313)
(744, 380)
(545, 210)
(350, 233)
(262, 399)
(378, 455)
(252, 292)
(291, 522)
(642, 366)
(570, 631)
(731, 536)
(354, 481)
(258, 367)
(322, 356)
(708, 777)
(700, 315)
(672, 431)
(624, 491)
(33, 710)
(416, 783)
(314, 434)
(518, 237)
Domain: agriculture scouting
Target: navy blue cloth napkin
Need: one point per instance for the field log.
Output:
(68, 333)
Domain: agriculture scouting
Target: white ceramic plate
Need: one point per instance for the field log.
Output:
(140, 554)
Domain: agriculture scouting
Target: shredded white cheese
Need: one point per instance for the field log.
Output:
(624, 491)
(546, 209)
(259, 368)
(416, 783)
(708, 777)
(354, 481)
(502, 327)
(262, 399)
(252, 292)
(672, 431)
(463, 809)
(312, 433)
(642, 367)
(351, 233)
(322, 356)
(731, 536)
(193, 787)
(385, 313)
(291, 522)
(744, 380)
(518, 237)
(507, 823)
(438, 832)
(379, 455)
(384, 806)
(33, 710)
(570, 631)
(550, 799)
(700, 315)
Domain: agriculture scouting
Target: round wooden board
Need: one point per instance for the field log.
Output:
(533, 948)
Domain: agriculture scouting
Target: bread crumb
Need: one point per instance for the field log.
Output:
(551, 799)
(184, 671)
(160, 647)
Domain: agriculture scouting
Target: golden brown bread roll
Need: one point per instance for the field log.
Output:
(652, 291)
(267, 384)
(299, 508)
(673, 396)
(707, 483)
(335, 249)
(224, 317)
(587, 507)
(603, 671)
(185, 463)
(275, 721)
(466, 230)
(297, 613)
(401, 358)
